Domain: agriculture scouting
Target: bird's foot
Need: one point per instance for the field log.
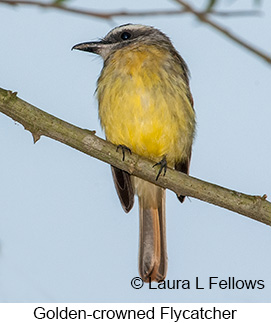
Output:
(163, 166)
(124, 149)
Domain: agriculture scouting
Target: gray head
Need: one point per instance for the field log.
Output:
(127, 35)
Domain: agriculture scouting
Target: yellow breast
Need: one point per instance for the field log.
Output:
(143, 103)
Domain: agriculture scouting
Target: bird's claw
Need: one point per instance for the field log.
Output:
(124, 149)
(163, 166)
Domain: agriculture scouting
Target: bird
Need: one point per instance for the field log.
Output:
(145, 107)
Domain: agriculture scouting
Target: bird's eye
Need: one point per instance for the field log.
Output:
(125, 35)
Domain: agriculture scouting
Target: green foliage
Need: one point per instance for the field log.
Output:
(211, 4)
(59, 2)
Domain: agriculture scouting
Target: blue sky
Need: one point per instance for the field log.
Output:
(63, 234)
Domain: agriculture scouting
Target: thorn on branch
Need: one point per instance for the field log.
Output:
(10, 96)
(36, 136)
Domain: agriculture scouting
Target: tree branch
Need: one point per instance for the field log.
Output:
(203, 18)
(201, 15)
(111, 15)
(94, 14)
(41, 123)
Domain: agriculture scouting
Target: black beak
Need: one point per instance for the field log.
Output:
(92, 47)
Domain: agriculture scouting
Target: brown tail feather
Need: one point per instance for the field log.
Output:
(152, 244)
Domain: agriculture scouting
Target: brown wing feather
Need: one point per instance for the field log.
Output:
(183, 167)
(124, 188)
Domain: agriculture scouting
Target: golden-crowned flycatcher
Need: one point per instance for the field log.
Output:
(145, 104)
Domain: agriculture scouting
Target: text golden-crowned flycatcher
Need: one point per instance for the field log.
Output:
(145, 105)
